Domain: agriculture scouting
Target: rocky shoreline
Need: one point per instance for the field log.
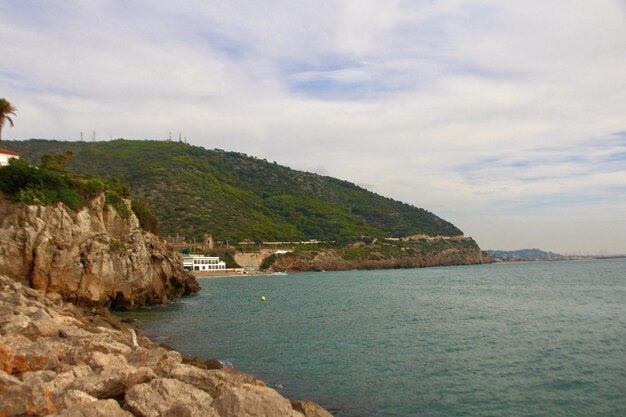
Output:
(60, 359)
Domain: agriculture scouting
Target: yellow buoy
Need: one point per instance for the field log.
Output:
(262, 298)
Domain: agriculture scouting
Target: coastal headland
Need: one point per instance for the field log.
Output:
(74, 246)
(410, 252)
(251, 208)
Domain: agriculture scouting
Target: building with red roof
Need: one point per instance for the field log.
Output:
(6, 155)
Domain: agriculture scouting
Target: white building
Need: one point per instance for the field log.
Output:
(6, 154)
(203, 263)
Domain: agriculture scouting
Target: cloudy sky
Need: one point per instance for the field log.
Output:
(507, 118)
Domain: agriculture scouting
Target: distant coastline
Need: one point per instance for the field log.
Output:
(534, 255)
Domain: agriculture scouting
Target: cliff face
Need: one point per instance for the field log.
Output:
(92, 257)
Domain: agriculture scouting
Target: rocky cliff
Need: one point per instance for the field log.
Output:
(93, 257)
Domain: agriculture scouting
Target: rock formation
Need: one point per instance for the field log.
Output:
(62, 360)
(454, 251)
(93, 257)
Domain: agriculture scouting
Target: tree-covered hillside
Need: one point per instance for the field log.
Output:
(234, 196)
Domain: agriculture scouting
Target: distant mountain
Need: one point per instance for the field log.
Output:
(524, 255)
(194, 191)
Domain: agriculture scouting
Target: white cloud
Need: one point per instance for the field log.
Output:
(498, 116)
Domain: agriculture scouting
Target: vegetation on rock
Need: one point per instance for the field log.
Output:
(51, 183)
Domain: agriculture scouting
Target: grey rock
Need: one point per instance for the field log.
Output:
(29, 398)
(101, 408)
(17, 324)
(152, 357)
(111, 382)
(55, 298)
(64, 379)
(252, 400)
(73, 332)
(183, 410)
(41, 328)
(164, 396)
(71, 399)
(40, 314)
(45, 376)
(310, 409)
(99, 361)
(7, 380)
(212, 381)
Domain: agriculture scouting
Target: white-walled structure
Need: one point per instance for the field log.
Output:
(6, 154)
(203, 263)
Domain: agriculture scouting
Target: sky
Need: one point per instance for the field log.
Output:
(506, 118)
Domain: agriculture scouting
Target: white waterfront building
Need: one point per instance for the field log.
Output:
(6, 155)
(203, 263)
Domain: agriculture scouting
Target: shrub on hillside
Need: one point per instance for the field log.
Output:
(147, 220)
(90, 187)
(117, 202)
(32, 185)
(49, 184)
(227, 257)
(16, 176)
(269, 261)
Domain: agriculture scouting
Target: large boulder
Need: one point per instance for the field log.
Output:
(164, 396)
(112, 381)
(309, 408)
(71, 399)
(253, 401)
(31, 398)
(213, 381)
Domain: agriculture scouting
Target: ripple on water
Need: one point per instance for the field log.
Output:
(545, 339)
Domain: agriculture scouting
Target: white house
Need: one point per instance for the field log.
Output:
(5, 155)
(203, 263)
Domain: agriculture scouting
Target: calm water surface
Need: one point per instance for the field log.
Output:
(533, 339)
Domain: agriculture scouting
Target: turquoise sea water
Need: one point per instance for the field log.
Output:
(532, 339)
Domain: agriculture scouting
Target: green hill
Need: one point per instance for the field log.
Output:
(194, 191)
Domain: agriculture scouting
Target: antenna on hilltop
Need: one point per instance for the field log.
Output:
(81, 137)
(170, 138)
(93, 137)
(180, 137)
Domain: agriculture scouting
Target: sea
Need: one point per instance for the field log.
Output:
(517, 339)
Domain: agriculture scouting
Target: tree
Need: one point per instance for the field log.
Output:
(6, 109)
(57, 162)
